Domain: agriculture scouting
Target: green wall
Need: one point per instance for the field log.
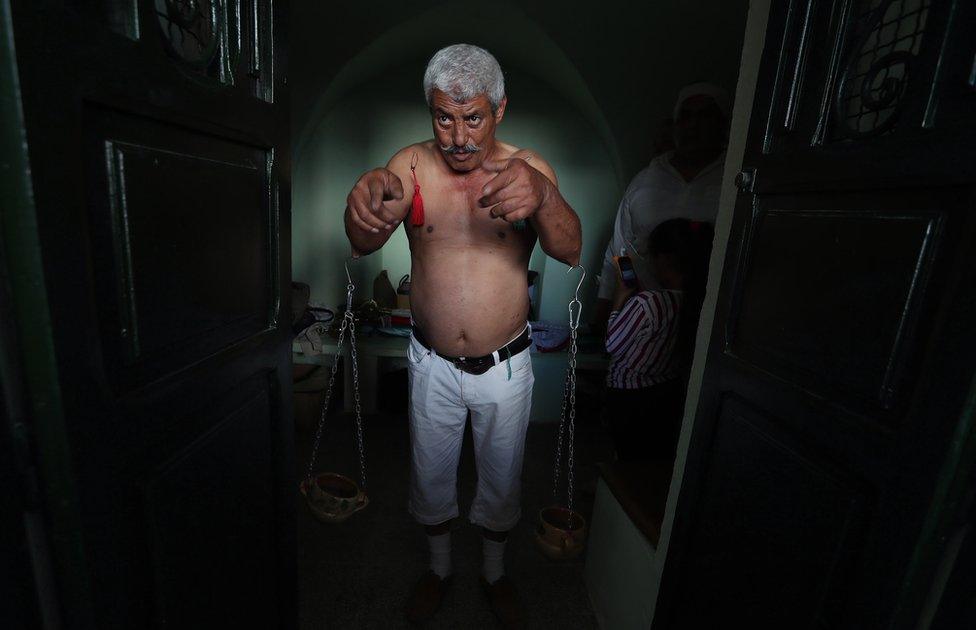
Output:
(621, 62)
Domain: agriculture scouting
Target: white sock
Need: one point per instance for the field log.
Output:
(440, 554)
(494, 566)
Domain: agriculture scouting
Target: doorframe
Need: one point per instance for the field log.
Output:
(753, 43)
(30, 388)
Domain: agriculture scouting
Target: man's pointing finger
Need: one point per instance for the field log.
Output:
(489, 193)
(394, 188)
(495, 166)
(375, 195)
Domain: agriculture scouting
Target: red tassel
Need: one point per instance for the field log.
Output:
(417, 207)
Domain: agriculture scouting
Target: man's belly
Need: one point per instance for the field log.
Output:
(469, 302)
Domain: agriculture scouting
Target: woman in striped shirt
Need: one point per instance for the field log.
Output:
(650, 338)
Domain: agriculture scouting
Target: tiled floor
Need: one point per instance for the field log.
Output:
(358, 574)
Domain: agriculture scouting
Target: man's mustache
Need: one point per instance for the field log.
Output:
(453, 150)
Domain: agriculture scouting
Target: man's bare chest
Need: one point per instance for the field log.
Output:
(454, 216)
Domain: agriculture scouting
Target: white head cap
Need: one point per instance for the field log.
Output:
(714, 92)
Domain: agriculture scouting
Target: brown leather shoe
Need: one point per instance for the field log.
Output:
(505, 602)
(426, 597)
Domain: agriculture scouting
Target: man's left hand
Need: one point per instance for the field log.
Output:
(517, 190)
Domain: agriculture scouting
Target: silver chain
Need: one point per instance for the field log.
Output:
(328, 395)
(570, 461)
(359, 411)
(569, 400)
(559, 441)
(348, 321)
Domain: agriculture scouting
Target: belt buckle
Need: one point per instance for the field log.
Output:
(471, 367)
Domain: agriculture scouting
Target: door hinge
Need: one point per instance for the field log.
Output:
(745, 181)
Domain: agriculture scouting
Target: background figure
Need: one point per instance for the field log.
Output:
(684, 181)
(651, 340)
(663, 139)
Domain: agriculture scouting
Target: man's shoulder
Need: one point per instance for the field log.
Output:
(653, 297)
(535, 160)
(504, 150)
(660, 301)
(658, 166)
(420, 154)
(405, 156)
(653, 176)
(529, 155)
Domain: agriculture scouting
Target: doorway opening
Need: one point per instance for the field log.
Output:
(592, 101)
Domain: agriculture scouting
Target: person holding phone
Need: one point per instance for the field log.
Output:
(650, 338)
(625, 266)
(682, 182)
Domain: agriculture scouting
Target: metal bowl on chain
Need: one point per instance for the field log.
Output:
(561, 533)
(332, 497)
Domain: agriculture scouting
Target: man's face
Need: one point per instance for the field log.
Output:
(465, 131)
(700, 127)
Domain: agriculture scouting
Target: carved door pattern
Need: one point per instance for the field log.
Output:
(222, 42)
(196, 30)
(856, 69)
(885, 39)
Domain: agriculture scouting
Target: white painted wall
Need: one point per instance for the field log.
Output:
(619, 566)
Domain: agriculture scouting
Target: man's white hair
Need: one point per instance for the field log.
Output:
(464, 72)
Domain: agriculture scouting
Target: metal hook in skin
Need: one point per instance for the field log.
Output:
(582, 277)
(574, 317)
(349, 287)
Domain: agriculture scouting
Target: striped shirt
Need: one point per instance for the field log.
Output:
(641, 338)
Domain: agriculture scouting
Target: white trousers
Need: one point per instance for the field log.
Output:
(440, 397)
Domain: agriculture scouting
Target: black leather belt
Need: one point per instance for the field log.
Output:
(480, 365)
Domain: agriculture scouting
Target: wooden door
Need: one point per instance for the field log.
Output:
(832, 450)
(147, 255)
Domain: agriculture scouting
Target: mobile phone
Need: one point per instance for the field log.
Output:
(626, 270)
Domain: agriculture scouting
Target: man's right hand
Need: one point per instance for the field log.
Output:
(366, 202)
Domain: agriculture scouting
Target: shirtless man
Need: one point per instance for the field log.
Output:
(485, 203)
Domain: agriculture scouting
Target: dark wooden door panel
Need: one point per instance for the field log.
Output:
(185, 243)
(821, 485)
(163, 504)
(159, 144)
(210, 541)
(750, 539)
(850, 274)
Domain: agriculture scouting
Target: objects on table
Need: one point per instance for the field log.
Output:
(549, 336)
